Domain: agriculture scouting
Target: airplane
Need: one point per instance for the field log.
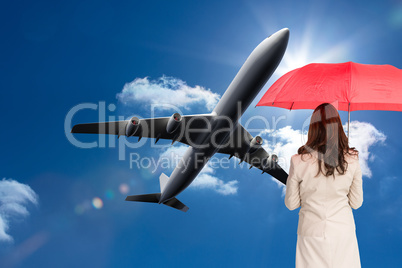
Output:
(207, 134)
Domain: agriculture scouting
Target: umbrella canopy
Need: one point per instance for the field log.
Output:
(352, 85)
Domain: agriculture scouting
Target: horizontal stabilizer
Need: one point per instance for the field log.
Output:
(150, 198)
(175, 203)
(154, 198)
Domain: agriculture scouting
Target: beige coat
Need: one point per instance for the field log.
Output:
(326, 230)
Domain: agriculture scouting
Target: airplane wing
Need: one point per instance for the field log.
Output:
(157, 128)
(151, 128)
(239, 146)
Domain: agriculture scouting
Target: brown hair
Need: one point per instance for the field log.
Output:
(326, 136)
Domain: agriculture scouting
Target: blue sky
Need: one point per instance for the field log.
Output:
(57, 55)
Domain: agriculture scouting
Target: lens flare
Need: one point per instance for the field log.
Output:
(82, 207)
(395, 18)
(109, 194)
(97, 203)
(124, 188)
(79, 209)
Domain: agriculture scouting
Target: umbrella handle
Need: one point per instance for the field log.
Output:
(348, 121)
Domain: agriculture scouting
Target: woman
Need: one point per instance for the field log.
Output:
(326, 181)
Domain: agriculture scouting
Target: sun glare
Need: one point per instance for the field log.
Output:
(302, 52)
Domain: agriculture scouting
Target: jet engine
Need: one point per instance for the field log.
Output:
(268, 163)
(255, 143)
(274, 158)
(173, 123)
(132, 126)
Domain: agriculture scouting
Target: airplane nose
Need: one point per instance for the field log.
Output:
(284, 31)
(267, 55)
(282, 36)
(285, 34)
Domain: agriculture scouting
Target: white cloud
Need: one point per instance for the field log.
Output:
(14, 197)
(167, 91)
(206, 178)
(285, 141)
(362, 136)
(173, 154)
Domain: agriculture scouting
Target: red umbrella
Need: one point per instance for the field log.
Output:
(352, 85)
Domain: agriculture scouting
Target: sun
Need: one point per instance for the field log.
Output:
(302, 51)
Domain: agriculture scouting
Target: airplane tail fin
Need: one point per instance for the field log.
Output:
(163, 179)
(154, 198)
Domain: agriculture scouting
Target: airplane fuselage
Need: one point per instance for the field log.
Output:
(248, 82)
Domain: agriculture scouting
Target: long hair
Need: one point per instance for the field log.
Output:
(327, 138)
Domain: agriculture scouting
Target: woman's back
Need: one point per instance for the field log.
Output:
(325, 216)
(325, 201)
